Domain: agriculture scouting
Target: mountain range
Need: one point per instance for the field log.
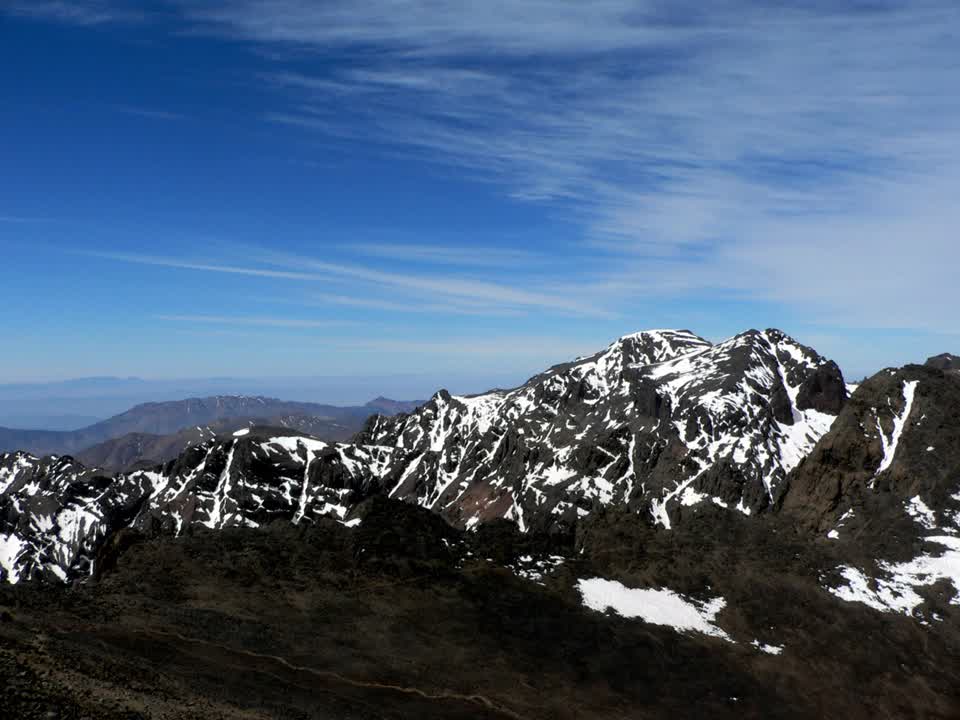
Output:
(729, 522)
(158, 431)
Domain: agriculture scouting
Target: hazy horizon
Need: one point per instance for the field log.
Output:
(73, 403)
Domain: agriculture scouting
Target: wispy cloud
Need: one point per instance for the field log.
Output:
(254, 320)
(149, 113)
(424, 28)
(745, 147)
(483, 294)
(447, 255)
(76, 12)
(467, 288)
(560, 349)
(394, 306)
(208, 267)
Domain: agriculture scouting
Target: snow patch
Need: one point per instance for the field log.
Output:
(897, 593)
(658, 607)
(11, 548)
(899, 422)
(535, 569)
(769, 649)
(919, 511)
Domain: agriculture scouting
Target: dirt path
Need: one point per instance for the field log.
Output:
(441, 696)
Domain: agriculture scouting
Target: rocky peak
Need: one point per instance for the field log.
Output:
(944, 361)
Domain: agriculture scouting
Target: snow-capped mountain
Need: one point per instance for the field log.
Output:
(660, 422)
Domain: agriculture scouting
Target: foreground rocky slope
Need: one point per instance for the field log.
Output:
(403, 616)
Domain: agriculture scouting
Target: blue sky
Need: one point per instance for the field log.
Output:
(293, 188)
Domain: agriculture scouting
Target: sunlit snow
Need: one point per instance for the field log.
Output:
(897, 592)
(11, 547)
(919, 511)
(899, 422)
(658, 607)
(769, 649)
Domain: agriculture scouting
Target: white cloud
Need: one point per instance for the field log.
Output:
(497, 294)
(787, 154)
(805, 155)
(424, 28)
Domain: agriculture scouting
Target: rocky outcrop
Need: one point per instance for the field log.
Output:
(945, 361)
(897, 438)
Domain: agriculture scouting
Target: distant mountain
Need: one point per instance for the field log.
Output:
(36, 406)
(386, 406)
(167, 418)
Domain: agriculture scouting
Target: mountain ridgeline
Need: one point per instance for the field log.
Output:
(660, 422)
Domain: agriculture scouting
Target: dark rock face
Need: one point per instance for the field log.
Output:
(823, 390)
(898, 437)
(945, 361)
